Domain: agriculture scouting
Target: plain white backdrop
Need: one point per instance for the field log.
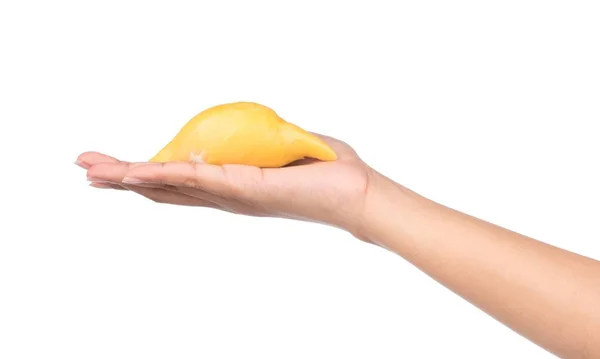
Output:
(491, 108)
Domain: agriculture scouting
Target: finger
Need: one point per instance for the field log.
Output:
(112, 174)
(188, 191)
(109, 172)
(168, 197)
(230, 205)
(90, 158)
(209, 178)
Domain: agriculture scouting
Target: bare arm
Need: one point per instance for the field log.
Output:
(549, 295)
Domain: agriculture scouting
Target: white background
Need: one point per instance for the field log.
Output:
(488, 107)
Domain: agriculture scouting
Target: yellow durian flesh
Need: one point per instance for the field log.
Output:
(243, 133)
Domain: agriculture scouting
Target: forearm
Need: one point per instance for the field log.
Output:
(547, 294)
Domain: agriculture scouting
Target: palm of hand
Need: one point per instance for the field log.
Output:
(324, 192)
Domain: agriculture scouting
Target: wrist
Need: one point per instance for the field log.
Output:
(386, 204)
(368, 214)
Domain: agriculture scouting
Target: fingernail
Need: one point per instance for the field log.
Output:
(80, 164)
(132, 180)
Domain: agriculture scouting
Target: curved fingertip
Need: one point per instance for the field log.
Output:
(82, 164)
(83, 159)
(89, 158)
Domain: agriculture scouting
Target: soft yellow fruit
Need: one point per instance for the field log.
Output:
(243, 133)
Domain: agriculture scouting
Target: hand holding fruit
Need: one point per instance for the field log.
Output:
(243, 160)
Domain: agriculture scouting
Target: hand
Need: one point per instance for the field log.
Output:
(331, 193)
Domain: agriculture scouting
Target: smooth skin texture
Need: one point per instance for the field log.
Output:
(548, 295)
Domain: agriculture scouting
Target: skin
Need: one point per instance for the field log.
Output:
(547, 294)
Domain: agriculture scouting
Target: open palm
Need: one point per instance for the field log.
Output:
(324, 192)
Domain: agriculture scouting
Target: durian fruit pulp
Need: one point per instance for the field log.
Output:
(244, 133)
